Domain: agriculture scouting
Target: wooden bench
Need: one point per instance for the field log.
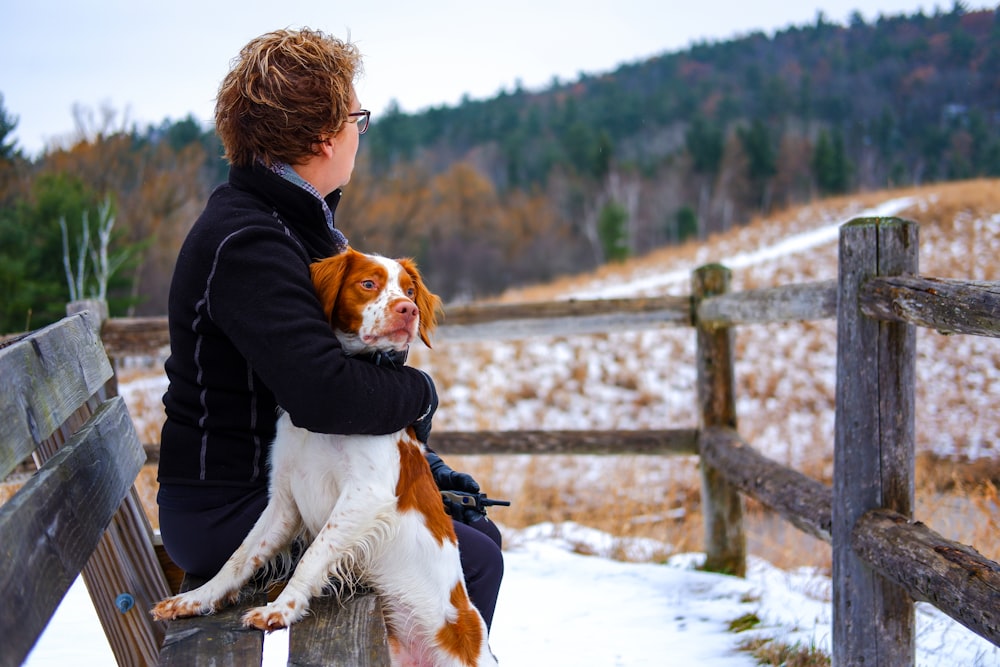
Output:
(80, 513)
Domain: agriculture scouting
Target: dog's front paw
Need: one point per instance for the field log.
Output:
(274, 616)
(181, 606)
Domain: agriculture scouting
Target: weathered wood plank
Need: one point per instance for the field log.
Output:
(351, 634)
(787, 303)
(125, 563)
(34, 399)
(219, 640)
(56, 520)
(873, 449)
(125, 336)
(561, 318)
(949, 306)
(665, 442)
(955, 578)
(804, 502)
(725, 540)
(668, 442)
(677, 309)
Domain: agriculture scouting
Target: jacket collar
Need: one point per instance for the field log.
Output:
(297, 209)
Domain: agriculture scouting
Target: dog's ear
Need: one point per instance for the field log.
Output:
(328, 277)
(428, 303)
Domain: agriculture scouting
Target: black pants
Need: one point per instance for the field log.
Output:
(202, 527)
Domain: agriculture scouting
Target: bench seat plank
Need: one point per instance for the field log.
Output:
(351, 634)
(56, 520)
(219, 640)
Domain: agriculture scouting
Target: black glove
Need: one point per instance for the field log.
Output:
(467, 513)
(390, 358)
(422, 426)
(449, 480)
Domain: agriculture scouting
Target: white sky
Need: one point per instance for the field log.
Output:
(151, 61)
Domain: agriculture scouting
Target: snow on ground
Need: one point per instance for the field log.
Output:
(790, 246)
(785, 372)
(558, 607)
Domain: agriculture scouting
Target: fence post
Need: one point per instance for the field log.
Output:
(873, 619)
(722, 505)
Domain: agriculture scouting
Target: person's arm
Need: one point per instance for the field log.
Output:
(262, 297)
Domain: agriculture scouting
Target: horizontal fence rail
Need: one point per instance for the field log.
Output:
(474, 323)
(644, 443)
(800, 500)
(887, 298)
(675, 442)
(953, 577)
(787, 303)
(949, 306)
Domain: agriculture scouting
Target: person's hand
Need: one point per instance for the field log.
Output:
(388, 358)
(459, 511)
(422, 426)
(449, 480)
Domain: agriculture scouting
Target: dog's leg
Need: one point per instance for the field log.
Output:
(275, 528)
(427, 604)
(362, 520)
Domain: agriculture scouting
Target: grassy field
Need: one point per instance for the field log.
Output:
(785, 390)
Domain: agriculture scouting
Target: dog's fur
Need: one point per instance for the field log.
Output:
(368, 503)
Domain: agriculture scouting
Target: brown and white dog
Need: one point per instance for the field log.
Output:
(368, 503)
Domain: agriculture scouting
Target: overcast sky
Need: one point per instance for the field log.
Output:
(150, 61)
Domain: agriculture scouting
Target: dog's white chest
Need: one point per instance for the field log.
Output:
(318, 467)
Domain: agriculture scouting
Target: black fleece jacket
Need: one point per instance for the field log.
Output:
(247, 335)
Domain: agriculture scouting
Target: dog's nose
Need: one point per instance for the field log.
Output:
(406, 308)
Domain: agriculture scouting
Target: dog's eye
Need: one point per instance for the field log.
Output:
(411, 292)
(368, 284)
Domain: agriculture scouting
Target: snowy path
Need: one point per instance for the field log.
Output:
(558, 608)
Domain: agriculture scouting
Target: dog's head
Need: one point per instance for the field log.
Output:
(374, 303)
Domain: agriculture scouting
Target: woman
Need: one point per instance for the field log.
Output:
(247, 332)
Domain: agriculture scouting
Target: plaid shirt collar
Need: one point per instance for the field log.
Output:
(286, 172)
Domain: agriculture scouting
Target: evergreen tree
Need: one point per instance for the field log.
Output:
(612, 229)
(8, 145)
(686, 222)
(33, 277)
(830, 165)
(704, 143)
(762, 160)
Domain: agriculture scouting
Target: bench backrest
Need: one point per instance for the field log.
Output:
(79, 512)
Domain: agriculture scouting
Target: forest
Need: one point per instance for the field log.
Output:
(530, 185)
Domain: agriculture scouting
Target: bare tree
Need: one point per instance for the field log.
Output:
(103, 264)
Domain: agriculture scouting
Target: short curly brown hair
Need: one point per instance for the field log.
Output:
(285, 92)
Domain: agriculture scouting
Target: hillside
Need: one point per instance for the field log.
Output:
(785, 372)
(893, 90)
(494, 194)
(501, 193)
(785, 378)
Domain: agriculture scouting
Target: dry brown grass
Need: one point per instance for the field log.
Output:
(950, 214)
(957, 498)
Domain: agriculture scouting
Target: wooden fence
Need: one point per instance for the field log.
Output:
(883, 561)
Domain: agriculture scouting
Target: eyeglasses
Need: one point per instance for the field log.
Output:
(363, 117)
